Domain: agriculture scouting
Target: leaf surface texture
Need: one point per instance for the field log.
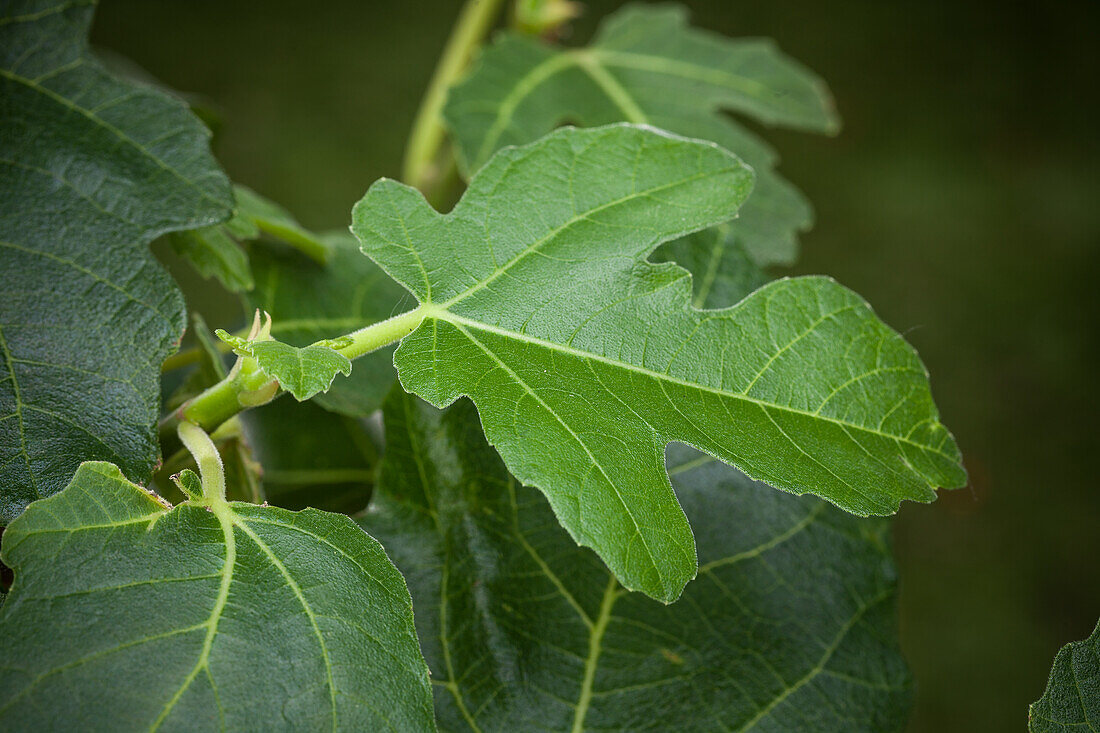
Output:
(789, 626)
(585, 360)
(647, 66)
(92, 168)
(1071, 701)
(245, 617)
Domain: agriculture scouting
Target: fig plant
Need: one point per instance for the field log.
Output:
(590, 389)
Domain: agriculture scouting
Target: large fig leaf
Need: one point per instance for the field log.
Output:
(585, 361)
(647, 66)
(790, 626)
(92, 169)
(1071, 701)
(128, 615)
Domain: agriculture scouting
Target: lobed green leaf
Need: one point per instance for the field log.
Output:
(647, 66)
(585, 360)
(790, 626)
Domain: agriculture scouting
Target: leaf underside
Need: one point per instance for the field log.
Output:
(585, 361)
(92, 169)
(1071, 701)
(249, 618)
(647, 66)
(790, 625)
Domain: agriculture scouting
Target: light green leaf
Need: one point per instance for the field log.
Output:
(92, 169)
(790, 626)
(303, 371)
(128, 615)
(585, 361)
(647, 66)
(1071, 701)
(309, 302)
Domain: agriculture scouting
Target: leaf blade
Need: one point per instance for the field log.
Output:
(500, 591)
(256, 588)
(1071, 700)
(539, 304)
(93, 169)
(647, 66)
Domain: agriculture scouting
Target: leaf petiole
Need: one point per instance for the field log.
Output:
(420, 168)
(247, 385)
(383, 333)
(208, 459)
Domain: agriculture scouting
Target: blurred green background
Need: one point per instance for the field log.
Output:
(962, 199)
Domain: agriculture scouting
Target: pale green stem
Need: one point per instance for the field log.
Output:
(208, 460)
(316, 250)
(427, 134)
(380, 334)
(248, 386)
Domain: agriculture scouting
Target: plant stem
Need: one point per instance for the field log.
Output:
(248, 386)
(208, 459)
(313, 248)
(427, 134)
(383, 333)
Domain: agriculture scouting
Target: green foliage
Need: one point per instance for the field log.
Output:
(598, 294)
(647, 66)
(215, 251)
(585, 361)
(309, 302)
(502, 593)
(302, 371)
(312, 457)
(1071, 701)
(243, 617)
(93, 169)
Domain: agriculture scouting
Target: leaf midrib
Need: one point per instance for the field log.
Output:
(225, 521)
(591, 59)
(439, 313)
(653, 562)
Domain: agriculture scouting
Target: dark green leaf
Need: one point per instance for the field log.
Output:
(309, 302)
(126, 615)
(1072, 698)
(647, 66)
(311, 457)
(585, 361)
(91, 170)
(789, 627)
